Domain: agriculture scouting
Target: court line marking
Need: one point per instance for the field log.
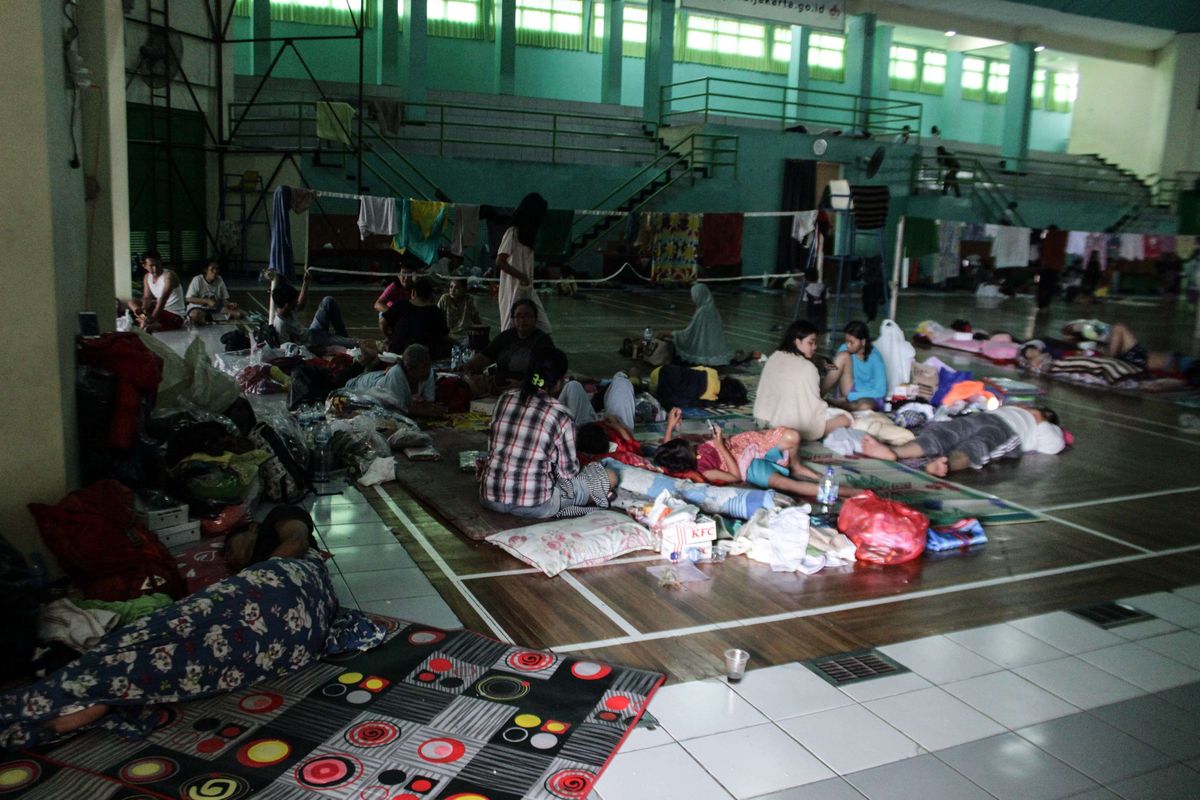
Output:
(873, 602)
(1120, 499)
(601, 606)
(1174, 437)
(441, 563)
(1102, 410)
(505, 573)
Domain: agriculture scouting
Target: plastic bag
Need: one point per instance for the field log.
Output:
(897, 354)
(883, 531)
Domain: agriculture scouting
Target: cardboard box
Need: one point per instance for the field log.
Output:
(178, 536)
(158, 518)
(696, 535)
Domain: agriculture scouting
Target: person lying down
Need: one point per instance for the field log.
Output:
(977, 439)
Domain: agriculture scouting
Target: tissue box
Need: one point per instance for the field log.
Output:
(681, 537)
(178, 535)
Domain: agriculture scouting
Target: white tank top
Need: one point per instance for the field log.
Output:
(174, 303)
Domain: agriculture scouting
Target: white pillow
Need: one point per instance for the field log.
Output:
(576, 541)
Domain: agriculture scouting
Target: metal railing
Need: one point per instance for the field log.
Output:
(787, 105)
(973, 179)
(1087, 177)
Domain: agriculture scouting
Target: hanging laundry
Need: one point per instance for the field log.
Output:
(466, 228)
(949, 259)
(1132, 247)
(334, 121)
(1153, 246)
(1010, 245)
(803, 223)
(870, 206)
(1054, 249)
(676, 248)
(281, 258)
(1185, 246)
(1077, 243)
(974, 232)
(920, 237)
(721, 239)
(377, 215)
(421, 224)
(1096, 243)
(302, 198)
(649, 224)
(498, 219)
(554, 234)
(389, 114)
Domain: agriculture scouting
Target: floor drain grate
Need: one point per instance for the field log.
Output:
(1111, 615)
(861, 665)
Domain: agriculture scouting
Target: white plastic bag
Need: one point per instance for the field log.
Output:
(897, 354)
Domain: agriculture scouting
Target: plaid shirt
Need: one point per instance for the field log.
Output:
(531, 447)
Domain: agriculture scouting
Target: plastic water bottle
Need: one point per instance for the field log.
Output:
(827, 491)
(321, 456)
(648, 334)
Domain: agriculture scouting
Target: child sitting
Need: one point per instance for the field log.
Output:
(765, 459)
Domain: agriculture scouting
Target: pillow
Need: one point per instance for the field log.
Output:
(585, 541)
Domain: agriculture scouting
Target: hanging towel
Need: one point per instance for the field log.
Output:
(1054, 249)
(1010, 245)
(376, 215)
(1077, 242)
(1185, 246)
(334, 121)
(1132, 247)
(421, 224)
(554, 234)
(803, 223)
(281, 259)
(1096, 243)
(1153, 246)
(920, 237)
(676, 247)
(466, 228)
(974, 232)
(498, 220)
(721, 239)
(870, 206)
(949, 259)
(389, 114)
(302, 198)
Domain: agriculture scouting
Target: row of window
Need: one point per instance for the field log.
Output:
(704, 39)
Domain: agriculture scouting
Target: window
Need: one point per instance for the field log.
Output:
(550, 23)
(456, 19)
(728, 42)
(1037, 92)
(1065, 87)
(781, 44)
(827, 57)
(903, 68)
(933, 72)
(997, 81)
(973, 72)
(315, 12)
(633, 32)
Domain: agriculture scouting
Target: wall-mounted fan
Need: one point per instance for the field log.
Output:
(871, 165)
(159, 57)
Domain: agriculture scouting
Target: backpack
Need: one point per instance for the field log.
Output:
(283, 477)
(105, 552)
(454, 393)
(310, 383)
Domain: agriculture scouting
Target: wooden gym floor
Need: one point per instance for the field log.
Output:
(1117, 513)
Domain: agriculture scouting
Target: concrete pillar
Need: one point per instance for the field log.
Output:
(42, 225)
(386, 34)
(1014, 138)
(413, 56)
(797, 79)
(951, 96)
(506, 47)
(660, 55)
(1181, 150)
(260, 27)
(879, 86)
(610, 56)
(105, 157)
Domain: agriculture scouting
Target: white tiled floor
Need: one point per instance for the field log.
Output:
(1045, 708)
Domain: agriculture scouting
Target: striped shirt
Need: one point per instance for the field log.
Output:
(531, 447)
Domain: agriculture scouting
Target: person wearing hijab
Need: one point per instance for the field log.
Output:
(514, 260)
(703, 340)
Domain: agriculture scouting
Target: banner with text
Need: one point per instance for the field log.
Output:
(829, 16)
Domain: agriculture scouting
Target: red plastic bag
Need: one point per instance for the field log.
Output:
(884, 531)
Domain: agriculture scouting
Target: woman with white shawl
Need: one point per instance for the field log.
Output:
(702, 342)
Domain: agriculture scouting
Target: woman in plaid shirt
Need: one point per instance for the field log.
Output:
(532, 469)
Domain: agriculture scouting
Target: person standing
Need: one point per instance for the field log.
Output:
(515, 260)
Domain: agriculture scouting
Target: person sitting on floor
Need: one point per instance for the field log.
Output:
(162, 306)
(789, 390)
(618, 401)
(858, 372)
(460, 311)
(208, 295)
(532, 469)
(691, 387)
(410, 385)
(768, 459)
(417, 321)
(702, 342)
(328, 315)
(610, 438)
(510, 351)
(976, 439)
(1116, 340)
(277, 615)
